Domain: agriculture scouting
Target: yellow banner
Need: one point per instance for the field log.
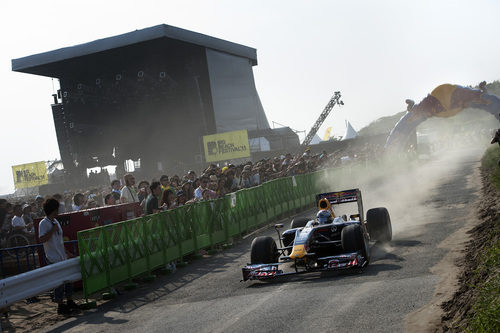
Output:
(29, 175)
(226, 146)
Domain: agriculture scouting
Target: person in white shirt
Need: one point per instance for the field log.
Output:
(51, 235)
(18, 223)
(129, 194)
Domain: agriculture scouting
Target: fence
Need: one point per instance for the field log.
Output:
(17, 260)
(119, 252)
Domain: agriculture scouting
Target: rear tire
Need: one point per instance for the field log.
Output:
(378, 224)
(264, 251)
(299, 222)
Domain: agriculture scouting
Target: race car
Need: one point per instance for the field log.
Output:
(327, 242)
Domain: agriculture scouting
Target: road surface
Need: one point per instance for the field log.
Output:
(427, 202)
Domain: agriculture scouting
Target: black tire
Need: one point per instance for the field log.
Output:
(378, 224)
(299, 222)
(353, 240)
(264, 251)
(16, 240)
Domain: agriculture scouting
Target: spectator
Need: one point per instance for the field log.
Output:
(3, 211)
(205, 195)
(181, 199)
(255, 176)
(191, 176)
(165, 184)
(175, 182)
(51, 236)
(92, 204)
(78, 202)
(7, 221)
(236, 172)
(143, 190)
(109, 200)
(18, 223)
(28, 218)
(167, 200)
(203, 185)
(245, 179)
(221, 188)
(129, 194)
(188, 190)
(115, 186)
(117, 198)
(496, 137)
(62, 206)
(152, 199)
(196, 184)
(38, 209)
(213, 184)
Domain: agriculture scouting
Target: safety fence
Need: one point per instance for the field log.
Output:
(121, 251)
(20, 259)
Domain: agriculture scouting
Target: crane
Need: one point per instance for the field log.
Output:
(326, 111)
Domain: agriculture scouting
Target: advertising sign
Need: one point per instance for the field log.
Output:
(30, 175)
(226, 146)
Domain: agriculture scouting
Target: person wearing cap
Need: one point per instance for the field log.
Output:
(181, 198)
(17, 222)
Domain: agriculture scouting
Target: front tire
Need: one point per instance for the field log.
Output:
(264, 251)
(378, 223)
(353, 240)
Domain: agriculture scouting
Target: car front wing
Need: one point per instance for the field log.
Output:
(330, 263)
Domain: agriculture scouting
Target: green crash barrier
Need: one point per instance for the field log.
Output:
(121, 251)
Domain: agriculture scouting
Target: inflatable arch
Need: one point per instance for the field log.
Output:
(444, 101)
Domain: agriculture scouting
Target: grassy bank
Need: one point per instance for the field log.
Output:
(486, 306)
(490, 165)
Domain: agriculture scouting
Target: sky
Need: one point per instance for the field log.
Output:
(376, 53)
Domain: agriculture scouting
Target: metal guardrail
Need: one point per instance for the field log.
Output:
(25, 258)
(19, 287)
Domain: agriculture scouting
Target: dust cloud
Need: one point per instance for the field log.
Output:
(406, 188)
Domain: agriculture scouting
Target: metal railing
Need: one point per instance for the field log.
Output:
(17, 260)
(22, 286)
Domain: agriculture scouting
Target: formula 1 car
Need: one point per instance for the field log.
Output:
(324, 243)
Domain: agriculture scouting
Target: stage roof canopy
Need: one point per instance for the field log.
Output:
(45, 64)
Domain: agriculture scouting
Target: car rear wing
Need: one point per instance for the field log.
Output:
(345, 196)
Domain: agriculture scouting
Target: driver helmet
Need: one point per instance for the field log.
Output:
(324, 216)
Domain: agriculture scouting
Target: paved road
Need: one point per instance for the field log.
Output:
(427, 203)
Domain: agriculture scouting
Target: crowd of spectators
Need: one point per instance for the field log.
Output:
(167, 192)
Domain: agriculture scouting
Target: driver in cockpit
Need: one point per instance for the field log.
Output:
(324, 217)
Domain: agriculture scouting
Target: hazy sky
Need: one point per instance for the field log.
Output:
(376, 53)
